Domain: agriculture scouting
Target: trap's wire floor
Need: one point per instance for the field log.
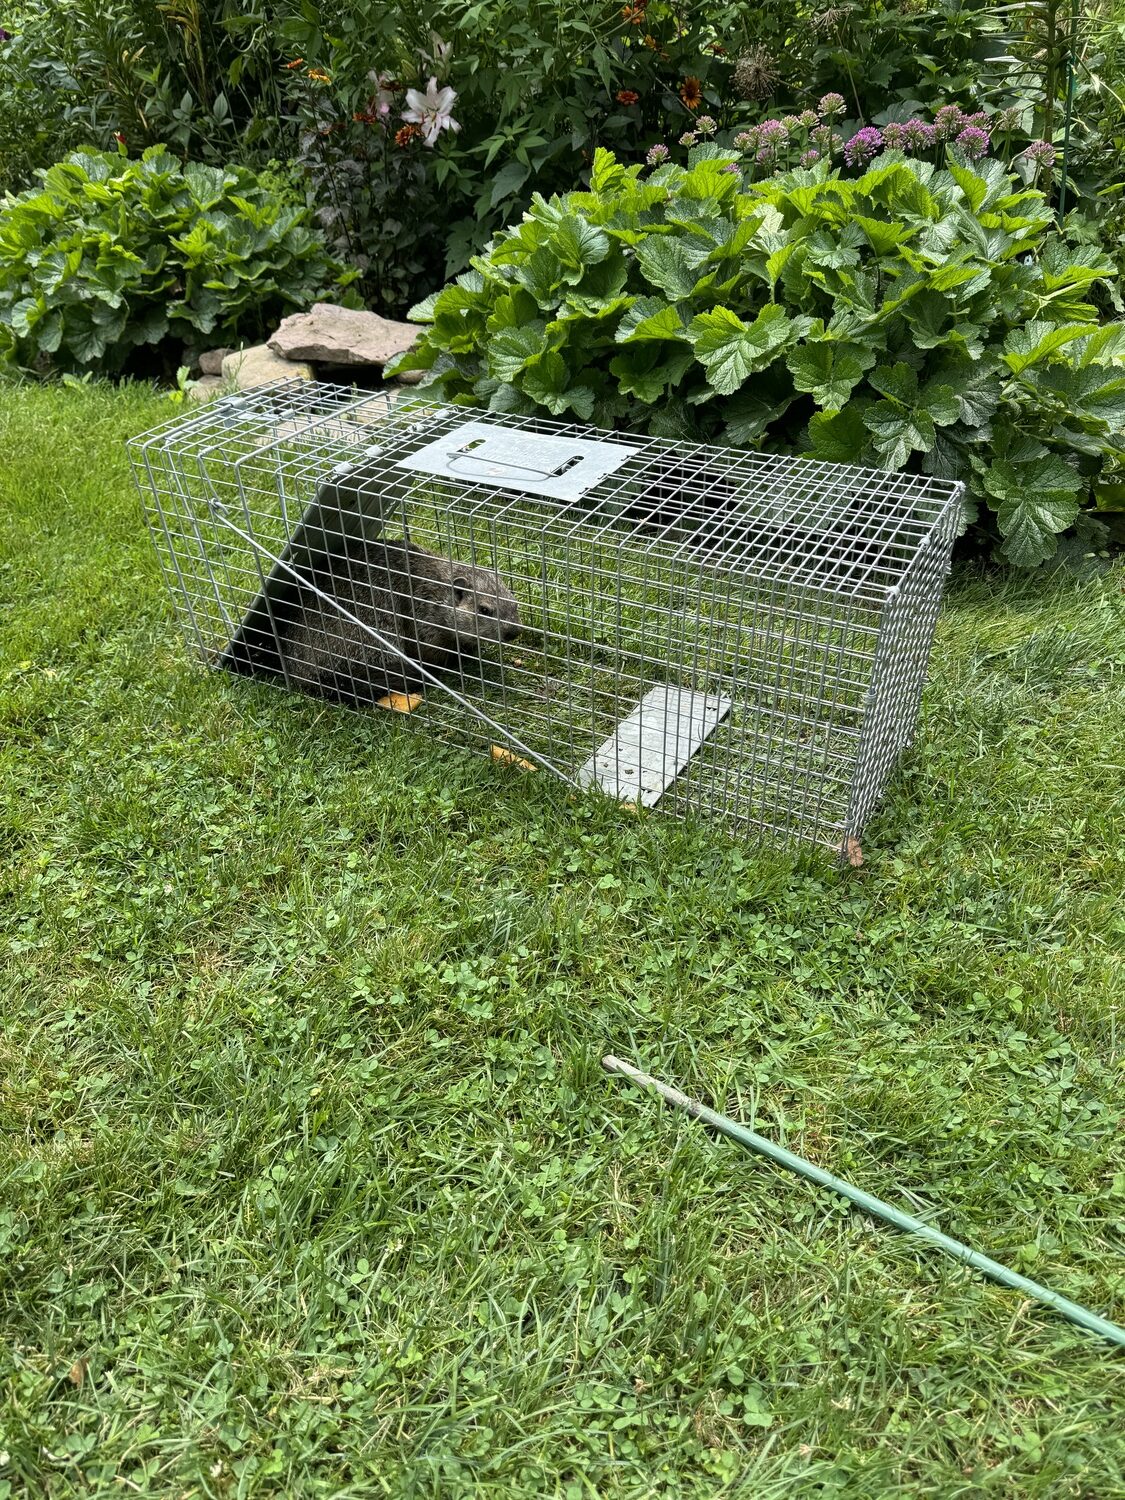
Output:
(800, 596)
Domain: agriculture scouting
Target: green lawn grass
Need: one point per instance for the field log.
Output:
(312, 1183)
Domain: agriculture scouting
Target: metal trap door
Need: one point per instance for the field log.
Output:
(534, 463)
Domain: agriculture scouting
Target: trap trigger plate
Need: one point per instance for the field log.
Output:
(649, 749)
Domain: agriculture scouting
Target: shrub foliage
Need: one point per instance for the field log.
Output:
(110, 255)
(914, 318)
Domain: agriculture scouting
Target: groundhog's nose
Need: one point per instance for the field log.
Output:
(511, 630)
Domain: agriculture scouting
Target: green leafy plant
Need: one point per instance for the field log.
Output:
(110, 257)
(197, 76)
(914, 318)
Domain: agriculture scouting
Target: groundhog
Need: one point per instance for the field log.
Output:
(437, 611)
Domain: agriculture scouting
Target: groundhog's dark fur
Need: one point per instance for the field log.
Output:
(436, 611)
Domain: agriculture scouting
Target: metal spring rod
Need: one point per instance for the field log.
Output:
(875, 1206)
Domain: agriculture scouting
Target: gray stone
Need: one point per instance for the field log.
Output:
(342, 336)
(211, 363)
(259, 365)
(205, 387)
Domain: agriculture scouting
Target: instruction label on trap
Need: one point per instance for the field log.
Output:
(649, 749)
(486, 453)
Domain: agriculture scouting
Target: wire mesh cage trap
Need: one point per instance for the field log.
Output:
(740, 635)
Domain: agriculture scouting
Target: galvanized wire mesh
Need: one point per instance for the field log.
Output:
(736, 634)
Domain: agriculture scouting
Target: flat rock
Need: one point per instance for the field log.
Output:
(342, 336)
(259, 365)
(205, 387)
(211, 362)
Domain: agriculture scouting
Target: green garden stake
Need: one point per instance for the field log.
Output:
(875, 1206)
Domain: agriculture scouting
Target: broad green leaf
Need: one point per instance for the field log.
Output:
(731, 350)
(607, 172)
(578, 244)
(542, 274)
(940, 403)
(548, 383)
(883, 235)
(896, 433)
(1038, 340)
(647, 370)
(667, 265)
(835, 251)
(1078, 266)
(513, 349)
(24, 314)
(750, 412)
(1031, 524)
(1035, 494)
(86, 342)
(512, 310)
(840, 437)
(1092, 392)
(650, 318)
(898, 382)
(826, 371)
(1104, 346)
(930, 316)
(973, 186)
(423, 312)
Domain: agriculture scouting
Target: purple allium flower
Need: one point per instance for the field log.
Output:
(809, 158)
(688, 138)
(1041, 152)
(917, 135)
(979, 119)
(948, 121)
(657, 154)
(746, 140)
(1007, 119)
(894, 136)
(831, 107)
(773, 133)
(865, 144)
(808, 119)
(733, 168)
(705, 125)
(974, 142)
(826, 141)
(791, 122)
(765, 156)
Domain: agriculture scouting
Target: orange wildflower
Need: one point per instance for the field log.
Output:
(407, 134)
(627, 96)
(691, 93)
(296, 63)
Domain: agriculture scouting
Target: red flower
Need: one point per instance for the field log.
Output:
(627, 96)
(407, 134)
(119, 138)
(296, 63)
